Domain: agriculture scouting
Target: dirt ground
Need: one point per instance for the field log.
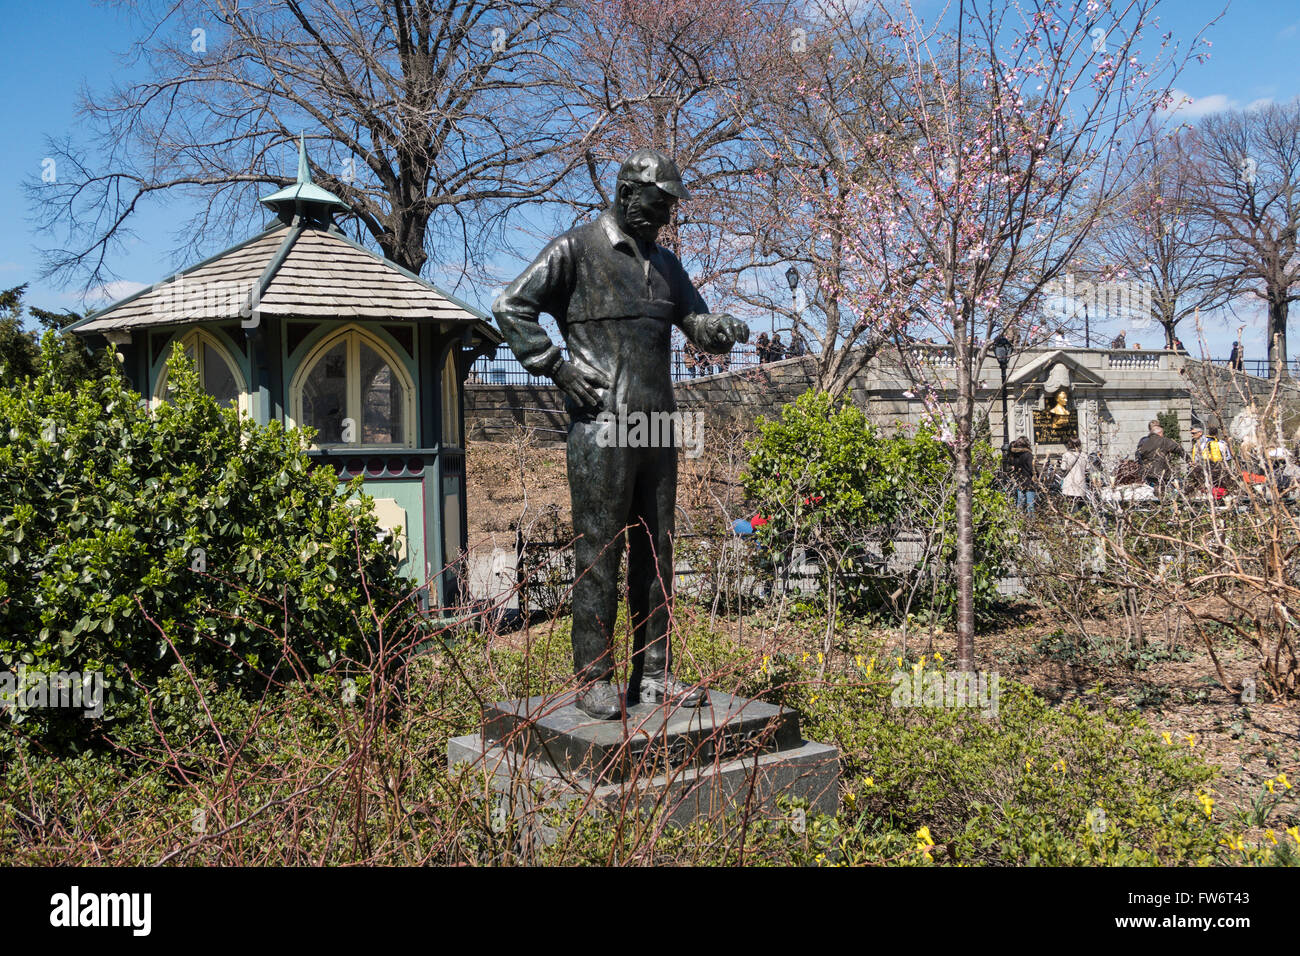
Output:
(1251, 743)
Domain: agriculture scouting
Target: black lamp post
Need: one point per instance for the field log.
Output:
(792, 277)
(1002, 352)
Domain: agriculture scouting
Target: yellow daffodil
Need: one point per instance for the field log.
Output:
(1207, 803)
(1294, 833)
(1059, 765)
(900, 661)
(1232, 843)
(1269, 785)
(1191, 740)
(820, 659)
(871, 781)
(1168, 740)
(924, 842)
(938, 657)
(1281, 778)
(1269, 835)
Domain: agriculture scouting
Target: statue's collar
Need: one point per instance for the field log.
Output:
(617, 237)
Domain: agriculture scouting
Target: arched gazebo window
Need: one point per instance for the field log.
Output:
(219, 375)
(353, 390)
(450, 402)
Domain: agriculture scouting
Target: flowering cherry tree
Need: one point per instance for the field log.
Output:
(984, 148)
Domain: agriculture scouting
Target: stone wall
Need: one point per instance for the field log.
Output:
(1218, 396)
(494, 412)
(1113, 394)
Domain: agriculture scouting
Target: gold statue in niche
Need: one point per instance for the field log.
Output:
(1059, 412)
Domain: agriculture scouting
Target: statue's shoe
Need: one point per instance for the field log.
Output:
(600, 700)
(658, 689)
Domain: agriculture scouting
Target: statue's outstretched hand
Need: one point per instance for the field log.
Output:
(718, 332)
(582, 384)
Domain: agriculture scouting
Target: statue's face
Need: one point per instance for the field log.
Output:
(645, 209)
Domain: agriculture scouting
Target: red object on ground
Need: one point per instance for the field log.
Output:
(1250, 479)
(1219, 492)
(757, 521)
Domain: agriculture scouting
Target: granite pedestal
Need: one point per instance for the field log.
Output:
(692, 762)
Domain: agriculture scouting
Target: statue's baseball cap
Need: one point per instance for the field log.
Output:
(652, 166)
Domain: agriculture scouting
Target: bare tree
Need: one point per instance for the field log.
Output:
(1248, 190)
(677, 76)
(1156, 235)
(424, 118)
(798, 206)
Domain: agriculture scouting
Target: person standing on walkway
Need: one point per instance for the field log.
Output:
(1155, 453)
(1074, 469)
(1020, 470)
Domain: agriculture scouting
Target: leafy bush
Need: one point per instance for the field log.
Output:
(21, 350)
(1029, 784)
(131, 538)
(1169, 422)
(306, 774)
(825, 477)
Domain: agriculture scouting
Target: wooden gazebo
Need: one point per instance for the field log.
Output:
(303, 326)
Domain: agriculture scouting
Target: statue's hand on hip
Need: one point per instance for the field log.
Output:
(718, 332)
(582, 384)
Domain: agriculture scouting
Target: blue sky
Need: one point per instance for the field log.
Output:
(52, 49)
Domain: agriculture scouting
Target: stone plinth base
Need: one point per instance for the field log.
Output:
(731, 754)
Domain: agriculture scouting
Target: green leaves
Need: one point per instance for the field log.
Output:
(98, 533)
(823, 476)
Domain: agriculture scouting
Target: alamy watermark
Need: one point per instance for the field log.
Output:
(24, 689)
(626, 429)
(1126, 299)
(946, 689)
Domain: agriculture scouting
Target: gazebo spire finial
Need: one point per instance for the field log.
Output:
(304, 168)
(303, 197)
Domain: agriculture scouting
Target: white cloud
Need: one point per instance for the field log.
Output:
(1262, 101)
(1188, 107)
(107, 293)
(1290, 30)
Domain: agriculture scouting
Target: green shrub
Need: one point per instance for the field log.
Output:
(320, 778)
(1169, 422)
(1030, 783)
(824, 476)
(132, 538)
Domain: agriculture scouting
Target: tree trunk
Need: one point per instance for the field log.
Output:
(965, 561)
(965, 526)
(1277, 363)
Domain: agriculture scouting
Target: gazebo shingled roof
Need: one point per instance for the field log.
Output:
(302, 266)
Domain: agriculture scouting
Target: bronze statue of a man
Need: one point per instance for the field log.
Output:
(616, 295)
